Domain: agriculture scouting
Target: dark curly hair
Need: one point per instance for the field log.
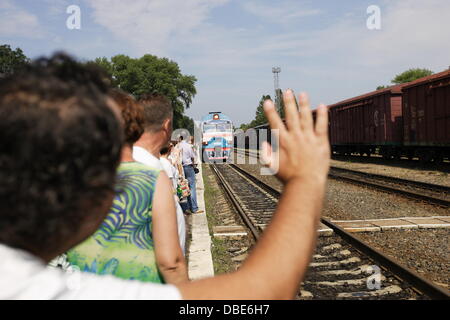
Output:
(60, 145)
(132, 115)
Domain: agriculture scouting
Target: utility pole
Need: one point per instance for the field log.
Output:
(276, 80)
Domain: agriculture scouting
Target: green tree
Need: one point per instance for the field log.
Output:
(105, 64)
(11, 60)
(411, 75)
(408, 76)
(280, 106)
(151, 74)
(186, 123)
(260, 117)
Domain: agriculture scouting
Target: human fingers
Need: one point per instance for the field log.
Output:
(306, 119)
(269, 158)
(273, 117)
(290, 110)
(266, 153)
(322, 121)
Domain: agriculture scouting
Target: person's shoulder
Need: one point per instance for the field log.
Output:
(139, 150)
(143, 156)
(165, 162)
(24, 276)
(138, 167)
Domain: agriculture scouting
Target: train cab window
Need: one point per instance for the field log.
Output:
(209, 127)
(223, 127)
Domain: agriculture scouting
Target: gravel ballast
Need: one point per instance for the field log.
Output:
(425, 251)
(345, 201)
(399, 169)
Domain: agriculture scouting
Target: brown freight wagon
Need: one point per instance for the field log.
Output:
(367, 124)
(426, 117)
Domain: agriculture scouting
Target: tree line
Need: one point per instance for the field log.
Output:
(148, 74)
(408, 76)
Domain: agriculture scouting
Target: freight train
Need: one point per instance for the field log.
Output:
(408, 120)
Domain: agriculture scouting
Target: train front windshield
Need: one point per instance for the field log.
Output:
(223, 127)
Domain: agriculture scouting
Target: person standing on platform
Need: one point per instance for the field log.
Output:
(188, 159)
(169, 168)
(158, 117)
(175, 157)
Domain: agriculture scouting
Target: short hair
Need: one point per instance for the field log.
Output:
(132, 114)
(166, 150)
(60, 147)
(157, 109)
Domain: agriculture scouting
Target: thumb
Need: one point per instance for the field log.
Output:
(266, 153)
(269, 158)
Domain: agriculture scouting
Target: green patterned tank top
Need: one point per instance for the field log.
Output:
(123, 245)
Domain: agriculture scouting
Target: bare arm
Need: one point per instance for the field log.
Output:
(169, 256)
(279, 261)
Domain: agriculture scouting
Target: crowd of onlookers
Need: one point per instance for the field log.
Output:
(140, 239)
(92, 173)
(143, 236)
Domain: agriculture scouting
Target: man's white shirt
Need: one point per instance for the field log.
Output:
(171, 171)
(187, 153)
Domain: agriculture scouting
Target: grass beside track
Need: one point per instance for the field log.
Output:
(221, 258)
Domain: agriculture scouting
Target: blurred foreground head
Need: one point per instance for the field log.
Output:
(60, 144)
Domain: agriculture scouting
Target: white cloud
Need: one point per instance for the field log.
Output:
(339, 60)
(57, 7)
(412, 32)
(279, 12)
(336, 59)
(149, 25)
(17, 22)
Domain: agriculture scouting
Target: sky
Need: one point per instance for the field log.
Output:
(322, 47)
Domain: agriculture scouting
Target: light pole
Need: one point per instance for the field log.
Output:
(276, 81)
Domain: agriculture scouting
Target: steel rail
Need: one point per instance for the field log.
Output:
(418, 184)
(378, 186)
(236, 204)
(415, 280)
(408, 194)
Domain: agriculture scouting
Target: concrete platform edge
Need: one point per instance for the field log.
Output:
(200, 264)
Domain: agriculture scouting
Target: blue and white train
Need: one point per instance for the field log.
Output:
(217, 137)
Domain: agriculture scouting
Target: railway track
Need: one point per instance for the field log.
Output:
(343, 267)
(424, 192)
(374, 158)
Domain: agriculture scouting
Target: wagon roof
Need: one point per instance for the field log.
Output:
(428, 79)
(396, 89)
